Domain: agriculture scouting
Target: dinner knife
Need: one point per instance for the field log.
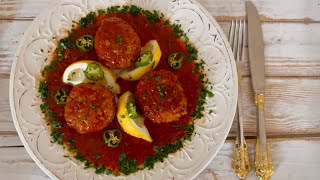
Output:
(262, 161)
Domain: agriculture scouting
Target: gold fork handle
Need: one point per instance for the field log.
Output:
(240, 163)
(263, 161)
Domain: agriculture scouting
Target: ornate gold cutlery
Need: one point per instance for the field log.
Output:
(262, 160)
(240, 164)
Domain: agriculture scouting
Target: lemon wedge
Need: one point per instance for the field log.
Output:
(142, 68)
(90, 71)
(129, 119)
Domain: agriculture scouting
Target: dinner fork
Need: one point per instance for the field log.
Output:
(237, 35)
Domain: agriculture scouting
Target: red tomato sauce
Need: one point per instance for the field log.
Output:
(92, 144)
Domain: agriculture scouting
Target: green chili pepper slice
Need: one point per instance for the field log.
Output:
(85, 42)
(94, 72)
(60, 96)
(145, 59)
(112, 137)
(132, 108)
(175, 60)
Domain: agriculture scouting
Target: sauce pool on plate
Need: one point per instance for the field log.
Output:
(91, 146)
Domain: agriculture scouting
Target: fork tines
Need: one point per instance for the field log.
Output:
(237, 38)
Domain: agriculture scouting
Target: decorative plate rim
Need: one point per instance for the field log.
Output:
(199, 169)
(233, 66)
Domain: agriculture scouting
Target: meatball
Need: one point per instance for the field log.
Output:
(160, 97)
(117, 44)
(89, 108)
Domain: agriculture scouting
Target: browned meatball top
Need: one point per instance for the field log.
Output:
(160, 97)
(117, 44)
(89, 108)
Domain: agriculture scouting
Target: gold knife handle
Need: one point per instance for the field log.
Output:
(240, 163)
(262, 160)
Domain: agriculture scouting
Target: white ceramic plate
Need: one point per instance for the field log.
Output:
(210, 131)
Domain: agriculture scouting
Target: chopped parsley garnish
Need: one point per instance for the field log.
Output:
(52, 116)
(199, 66)
(176, 29)
(96, 156)
(87, 164)
(79, 156)
(56, 125)
(44, 107)
(127, 165)
(158, 78)
(160, 88)
(119, 39)
(71, 141)
(56, 137)
(152, 16)
(147, 77)
(50, 67)
(88, 20)
(189, 131)
(162, 152)
(201, 101)
(113, 9)
(144, 94)
(94, 107)
(101, 12)
(178, 33)
(124, 9)
(72, 148)
(135, 10)
(162, 95)
(193, 52)
(63, 44)
(43, 90)
(186, 39)
(193, 56)
(108, 171)
(100, 170)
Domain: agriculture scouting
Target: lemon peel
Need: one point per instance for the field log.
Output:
(134, 127)
(138, 72)
(74, 75)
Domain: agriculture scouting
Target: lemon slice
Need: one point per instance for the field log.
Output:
(90, 71)
(136, 73)
(134, 127)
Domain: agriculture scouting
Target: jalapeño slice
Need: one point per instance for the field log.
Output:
(85, 42)
(145, 59)
(175, 60)
(112, 137)
(94, 72)
(60, 96)
(132, 108)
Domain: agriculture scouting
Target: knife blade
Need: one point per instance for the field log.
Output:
(263, 161)
(256, 50)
